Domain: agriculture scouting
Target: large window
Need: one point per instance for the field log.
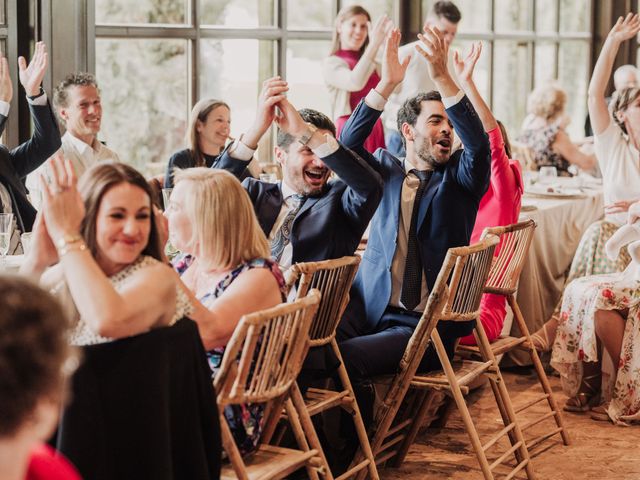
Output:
(156, 58)
(528, 43)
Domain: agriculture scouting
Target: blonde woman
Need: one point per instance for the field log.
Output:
(207, 134)
(226, 267)
(543, 130)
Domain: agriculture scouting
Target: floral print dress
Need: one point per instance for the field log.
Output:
(245, 421)
(576, 338)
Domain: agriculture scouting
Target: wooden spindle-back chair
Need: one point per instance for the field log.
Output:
(455, 296)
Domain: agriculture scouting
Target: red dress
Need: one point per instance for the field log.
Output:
(500, 206)
(47, 464)
(376, 139)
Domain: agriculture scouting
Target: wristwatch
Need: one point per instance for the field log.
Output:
(37, 95)
(311, 129)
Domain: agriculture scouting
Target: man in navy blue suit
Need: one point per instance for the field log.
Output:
(306, 217)
(429, 204)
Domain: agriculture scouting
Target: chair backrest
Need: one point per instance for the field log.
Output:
(265, 353)
(515, 241)
(333, 278)
(455, 295)
(153, 389)
(524, 154)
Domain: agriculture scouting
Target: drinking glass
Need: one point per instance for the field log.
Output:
(25, 240)
(269, 177)
(6, 229)
(547, 175)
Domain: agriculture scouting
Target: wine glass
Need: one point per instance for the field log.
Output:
(547, 175)
(6, 229)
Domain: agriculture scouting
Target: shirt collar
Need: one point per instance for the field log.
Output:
(81, 146)
(287, 191)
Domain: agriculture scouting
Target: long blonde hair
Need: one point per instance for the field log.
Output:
(200, 112)
(346, 13)
(225, 227)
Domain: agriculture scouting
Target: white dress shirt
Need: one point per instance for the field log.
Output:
(82, 157)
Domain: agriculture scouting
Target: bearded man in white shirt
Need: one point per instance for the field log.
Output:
(77, 103)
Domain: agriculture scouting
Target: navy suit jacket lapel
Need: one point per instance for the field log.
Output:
(269, 207)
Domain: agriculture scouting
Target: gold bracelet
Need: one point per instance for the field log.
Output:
(67, 239)
(71, 247)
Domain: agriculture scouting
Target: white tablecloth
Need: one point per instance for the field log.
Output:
(561, 223)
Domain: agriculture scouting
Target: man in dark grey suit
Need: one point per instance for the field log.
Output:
(16, 163)
(306, 217)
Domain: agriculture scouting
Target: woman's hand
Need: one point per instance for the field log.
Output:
(619, 207)
(62, 204)
(634, 213)
(378, 33)
(464, 68)
(42, 252)
(625, 28)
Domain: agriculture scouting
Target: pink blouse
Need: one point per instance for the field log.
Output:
(499, 206)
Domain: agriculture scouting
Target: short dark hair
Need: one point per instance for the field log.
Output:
(78, 79)
(447, 10)
(411, 109)
(314, 117)
(33, 351)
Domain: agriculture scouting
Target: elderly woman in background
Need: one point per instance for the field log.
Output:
(207, 135)
(110, 273)
(351, 70)
(543, 130)
(35, 358)
(225, 264)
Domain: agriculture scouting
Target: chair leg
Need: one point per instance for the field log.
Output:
(461, 404)
(542, 376)
(425, 403)
(365, 446)
(306, 428)
(231, 448)
(298, 433)
(504, 402)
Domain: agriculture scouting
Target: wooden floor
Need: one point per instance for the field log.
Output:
(599, 450)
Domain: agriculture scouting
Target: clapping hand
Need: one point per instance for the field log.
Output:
(392, 70)
(435, 50)
(62, 204)
(6, 87)
(464, 67)
(625, 28)
(31, 75)
(378, 33)
(273, 91)
(42, 253)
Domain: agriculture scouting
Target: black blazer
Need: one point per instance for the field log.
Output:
(184, 159)
(330, 225)
(17, 163)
